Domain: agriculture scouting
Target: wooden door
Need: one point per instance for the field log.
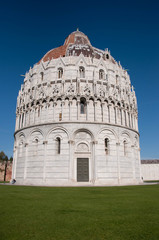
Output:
(82, 169)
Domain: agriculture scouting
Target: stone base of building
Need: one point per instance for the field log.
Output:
(61, 183)
(76, 151)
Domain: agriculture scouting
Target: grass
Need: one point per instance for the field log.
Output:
(4, 181)
(95, 213)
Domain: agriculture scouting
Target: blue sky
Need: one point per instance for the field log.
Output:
(129, 29)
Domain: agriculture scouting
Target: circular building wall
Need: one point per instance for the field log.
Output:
(76, 120)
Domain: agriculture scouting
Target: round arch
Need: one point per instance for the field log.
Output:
(36, 130)
(83, 130)
(111, 130)
(127, 133)
(56, 128)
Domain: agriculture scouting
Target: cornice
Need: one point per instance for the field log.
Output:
(76, 122)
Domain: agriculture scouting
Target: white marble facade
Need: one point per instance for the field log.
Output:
(77, 102)
(150, 170)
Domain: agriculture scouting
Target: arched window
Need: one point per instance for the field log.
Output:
(101, 74)
(60, 116)
(60, 72)
(35, 146)
(58, 145)
(83, 106)
(106, 144)
(82, 72)
(42, 76)
(107, 56)
(125, 148)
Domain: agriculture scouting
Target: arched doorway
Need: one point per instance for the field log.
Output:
(83, 158)
(83, 162)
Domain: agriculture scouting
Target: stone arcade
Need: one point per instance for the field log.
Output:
(77, 120)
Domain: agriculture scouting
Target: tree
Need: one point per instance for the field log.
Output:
(2, 156)
(4, 160)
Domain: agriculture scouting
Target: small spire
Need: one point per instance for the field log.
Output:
(77, 30)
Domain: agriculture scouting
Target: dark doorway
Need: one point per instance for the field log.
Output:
(82, 169)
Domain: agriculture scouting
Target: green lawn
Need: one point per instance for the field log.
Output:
(95, 213)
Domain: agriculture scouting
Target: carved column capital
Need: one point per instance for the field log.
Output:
(71, 142)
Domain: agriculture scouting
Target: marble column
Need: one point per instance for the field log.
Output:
(44, 166)
(21, 119)
(17, 120)
(14, 162)
(70, 110)
(87, 111)
(78, 110)
(93, 155)
(47, 112)
(109, 113)
(132, 124)
(137, 123)
(24, 120)
(133, 162)
(25, 163)
(34, 115)
(54, 112)
(62, 107)
(72, 162)
(122, 116)
(102, 110)
(118, 162)
(95, 106)
(116, 116)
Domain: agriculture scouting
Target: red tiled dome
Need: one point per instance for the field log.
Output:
(76, 37)
(75, 44)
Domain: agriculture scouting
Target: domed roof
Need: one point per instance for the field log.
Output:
(75, 44)
(77, 37)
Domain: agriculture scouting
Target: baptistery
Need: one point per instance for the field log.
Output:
(76, 120)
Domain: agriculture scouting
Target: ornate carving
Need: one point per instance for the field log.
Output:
(101, 91)
(71, 142)
(115, 93)
(71, 89)
(87, 90)
(31, 96)
(94, 142)
(55, 90)
(82, 147)
(42, 93)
